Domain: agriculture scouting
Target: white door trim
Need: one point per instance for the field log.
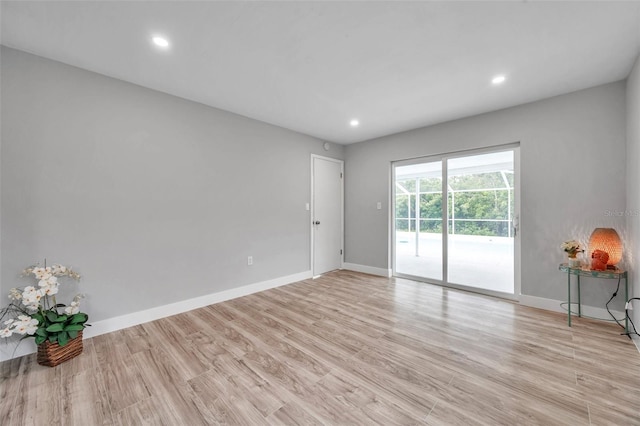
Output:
(517, 261)
(312, 211)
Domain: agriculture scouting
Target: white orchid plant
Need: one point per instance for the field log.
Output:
(34, 312)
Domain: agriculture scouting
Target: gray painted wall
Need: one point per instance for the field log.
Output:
(2, 292)
(572, 173)
(154, 199)
(633, 180)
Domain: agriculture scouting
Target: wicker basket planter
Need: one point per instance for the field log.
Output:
(52, 354)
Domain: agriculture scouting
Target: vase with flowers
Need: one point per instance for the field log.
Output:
(572, 248)
(34, 312)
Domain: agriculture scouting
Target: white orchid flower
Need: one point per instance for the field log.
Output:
(42, 273)
(59, 269)
(15, 294)
(51, 290)
(71, 310)
(20, 329)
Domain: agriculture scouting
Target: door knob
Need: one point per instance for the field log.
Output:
(317, 222)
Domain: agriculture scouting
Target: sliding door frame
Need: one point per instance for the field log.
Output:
(443, 158)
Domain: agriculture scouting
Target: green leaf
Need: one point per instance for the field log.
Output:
(40, 339)
(52, 316)
(41, 332)
(61, 318)
(54, 328)
(79, 318)
(72, 334)
(53, 338)
(63, 338)
(39, 317)
(74, 327)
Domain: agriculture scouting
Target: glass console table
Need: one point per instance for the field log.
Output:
(609, 274)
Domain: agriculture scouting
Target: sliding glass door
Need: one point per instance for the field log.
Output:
(418, 220)
(467, 242)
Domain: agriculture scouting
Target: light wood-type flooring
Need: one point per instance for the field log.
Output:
(344, 349)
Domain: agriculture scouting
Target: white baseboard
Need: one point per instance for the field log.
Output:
(367, 269)
(541, 303)
(554, 305)
(14, 350)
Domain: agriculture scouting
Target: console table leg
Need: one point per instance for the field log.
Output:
(569, 298)
(579, 299)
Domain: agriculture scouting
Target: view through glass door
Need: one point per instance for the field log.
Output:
(474, 247)
(418, 220)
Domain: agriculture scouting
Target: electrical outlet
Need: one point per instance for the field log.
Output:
(250, 260)
(379, 205)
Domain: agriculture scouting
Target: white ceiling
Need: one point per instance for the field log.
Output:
(313, 66)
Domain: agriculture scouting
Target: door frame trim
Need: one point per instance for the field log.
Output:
(312, 211)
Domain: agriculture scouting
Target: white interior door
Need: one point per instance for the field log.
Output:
(327, 214)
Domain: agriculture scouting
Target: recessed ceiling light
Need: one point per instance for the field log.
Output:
(160, 41)
(354, 123)
(499, 79)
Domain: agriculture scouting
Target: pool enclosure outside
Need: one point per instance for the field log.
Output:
(480, 210)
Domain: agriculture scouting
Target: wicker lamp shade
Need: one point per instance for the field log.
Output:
(607, 240)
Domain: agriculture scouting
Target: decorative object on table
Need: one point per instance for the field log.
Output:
(599, 260)
(34, 312)
(608, 241)
(586, 260)
(572, 248)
